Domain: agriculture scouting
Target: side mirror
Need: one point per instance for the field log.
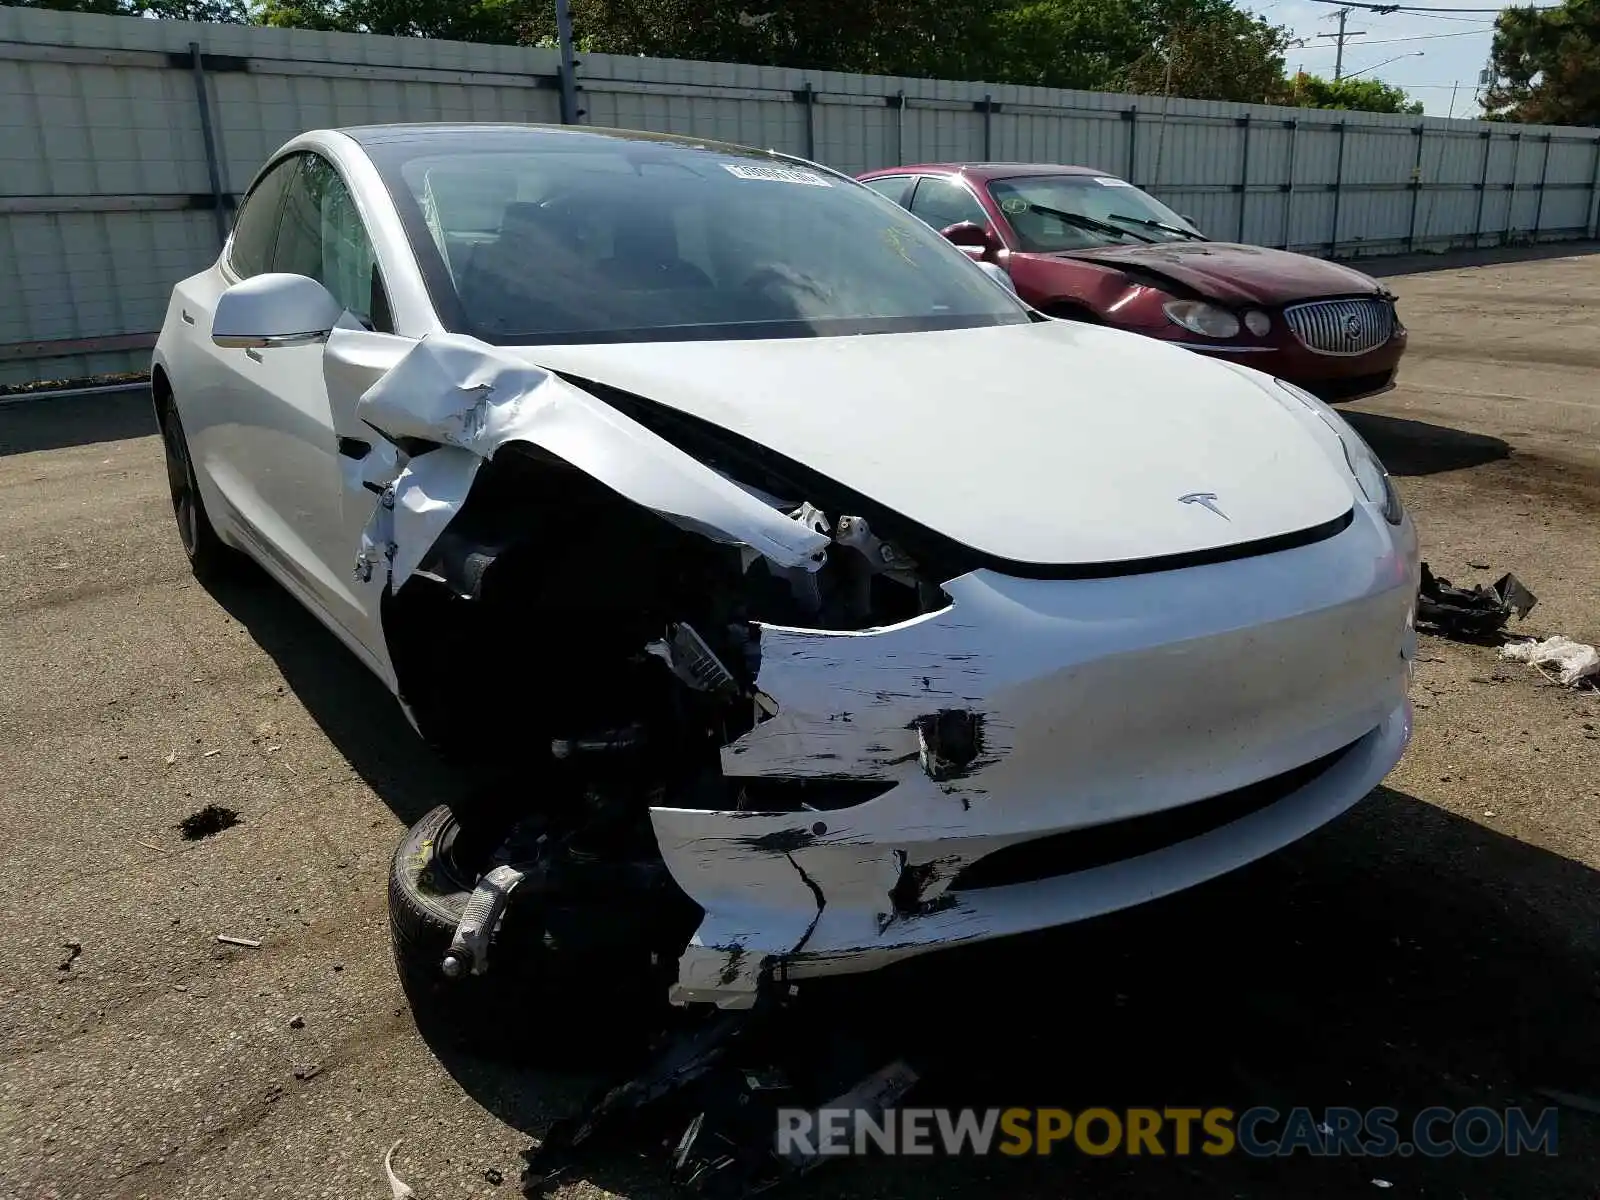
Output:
(999, 275)
(274, 310)
(1188, 219)
(974, 240)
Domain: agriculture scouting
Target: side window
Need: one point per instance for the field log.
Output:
(321, 236)
(256, 224)
(895, 187)
(942, 203)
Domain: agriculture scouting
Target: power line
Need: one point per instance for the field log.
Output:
(1428, 37)
(1412, 8)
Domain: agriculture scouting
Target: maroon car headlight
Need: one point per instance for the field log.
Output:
(1257, 322)
(1199, 317)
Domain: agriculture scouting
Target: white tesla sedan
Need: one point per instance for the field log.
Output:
(812, 588)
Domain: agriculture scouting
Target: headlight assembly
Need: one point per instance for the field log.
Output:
(1369, 471)
(1199, 317)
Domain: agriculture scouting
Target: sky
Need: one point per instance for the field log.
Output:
(1452, 46)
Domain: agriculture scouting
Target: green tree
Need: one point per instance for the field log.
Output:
(891, 37)
(476, 21)
(1360, 95)
(1203, 49)
(1547, 65)
(228, 11)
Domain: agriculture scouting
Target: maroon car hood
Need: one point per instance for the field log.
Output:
(1234, 274)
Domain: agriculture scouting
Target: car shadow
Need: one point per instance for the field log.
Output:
(351, 706)
(49, 423)
(1454, 260)
(1408, 447)
(1402, 957)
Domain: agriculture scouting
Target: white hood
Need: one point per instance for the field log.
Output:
(1054, 443)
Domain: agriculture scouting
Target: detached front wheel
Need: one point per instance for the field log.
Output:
(560, 981)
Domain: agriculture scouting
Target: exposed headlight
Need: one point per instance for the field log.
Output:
(1257, 322)
(1199, 317)
(1371, 475)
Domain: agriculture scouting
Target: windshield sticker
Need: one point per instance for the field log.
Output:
(1110, 181)
(776, 174)
(1014, 205)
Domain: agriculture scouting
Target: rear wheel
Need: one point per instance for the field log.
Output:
(208, 556)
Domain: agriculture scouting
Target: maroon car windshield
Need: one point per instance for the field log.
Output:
(1049, 213)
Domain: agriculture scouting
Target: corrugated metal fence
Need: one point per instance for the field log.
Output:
(124, 144)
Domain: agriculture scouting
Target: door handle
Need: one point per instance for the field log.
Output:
(354, 448)
(187, 318)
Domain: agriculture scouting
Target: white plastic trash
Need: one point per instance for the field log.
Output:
(1571, 661)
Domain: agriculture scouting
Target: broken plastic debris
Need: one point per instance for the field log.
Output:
(230, 940)
(399, 1189)
(1564, 660)
(1383, 1183)
(1471, 612)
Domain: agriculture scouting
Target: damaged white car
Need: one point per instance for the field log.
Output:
(831, 605)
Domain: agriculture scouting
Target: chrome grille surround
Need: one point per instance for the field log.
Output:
(1342, 327)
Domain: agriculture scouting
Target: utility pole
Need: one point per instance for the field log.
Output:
(1341, 37)
(1453, 87)
(569, 84)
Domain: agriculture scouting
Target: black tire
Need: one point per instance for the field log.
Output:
(209, 558)
(536, 1000)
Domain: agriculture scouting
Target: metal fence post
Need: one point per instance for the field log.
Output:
(569, 84)
(808, 96)
(898, 103)
(219, 213)
(1544, 175)
(1594, 190)
(1416, 188)
(1287, 186)
(1511, 200)
(1244, 172)
(1483, 187)
(1338, 188)
(1131, 116)
(988, 108)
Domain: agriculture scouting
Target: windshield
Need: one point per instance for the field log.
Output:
(528, 236)
(1110, 212)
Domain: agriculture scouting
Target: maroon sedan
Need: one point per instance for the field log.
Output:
(1082, 244)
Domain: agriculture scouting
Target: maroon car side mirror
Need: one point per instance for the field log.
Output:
(974, 240)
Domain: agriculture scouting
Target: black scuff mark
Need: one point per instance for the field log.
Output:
(208, 822)
(917, 880)
(951, 743)
(780, 841)
(822, 903)
(731, 971)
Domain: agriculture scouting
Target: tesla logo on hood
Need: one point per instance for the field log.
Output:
(1205, 500)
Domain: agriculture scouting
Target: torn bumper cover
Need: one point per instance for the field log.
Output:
(1132, 737)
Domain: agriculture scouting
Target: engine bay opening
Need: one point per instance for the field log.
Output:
(593, 647)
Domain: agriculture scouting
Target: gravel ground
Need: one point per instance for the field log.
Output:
(1438, 945)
